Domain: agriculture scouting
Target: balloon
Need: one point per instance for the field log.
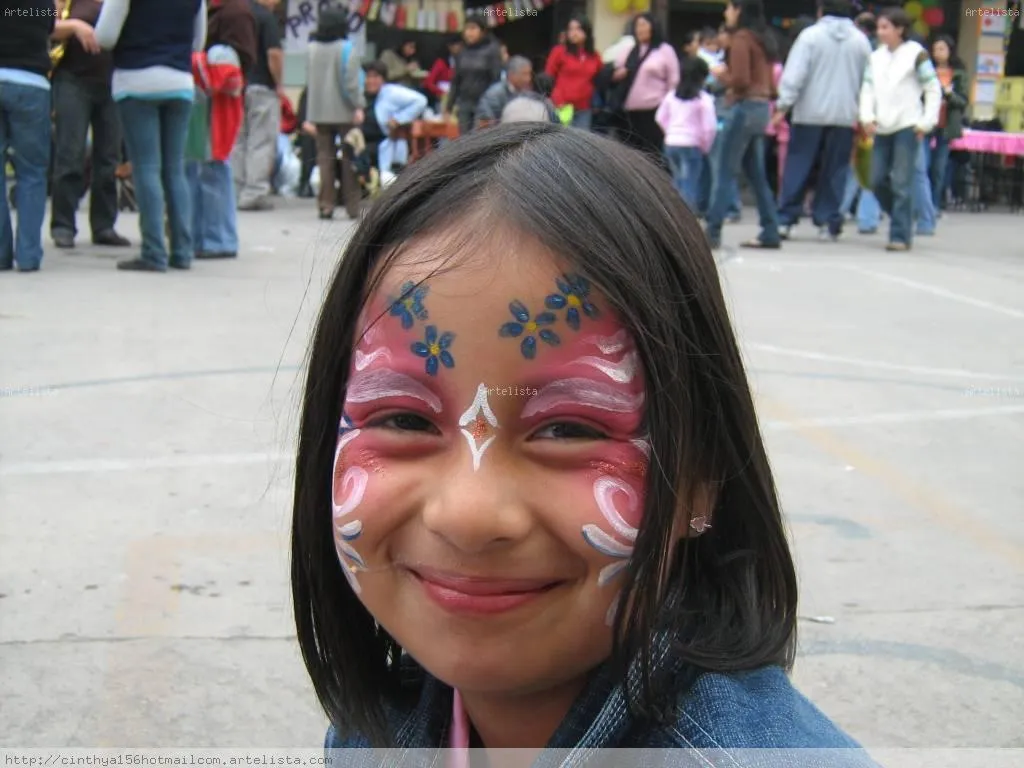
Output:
(620, 6)
(934, 17)
(922, 28)
(641, 6)
(913, 9)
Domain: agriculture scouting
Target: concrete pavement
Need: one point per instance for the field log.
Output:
(146, 424)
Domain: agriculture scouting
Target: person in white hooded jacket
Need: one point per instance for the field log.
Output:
(899, 105)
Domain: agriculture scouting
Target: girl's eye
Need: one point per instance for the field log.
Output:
(406, 422)
(569, 430)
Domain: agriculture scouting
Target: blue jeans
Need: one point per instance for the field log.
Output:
(742, 148)
(893, 161)
(707, 180)
(869, 212)
(214, 215)
(850, 193)
(25, 130)
(829, 147)
(581, 118)
(154, 133)
(924, 208)
(938, 167)
(687, 166)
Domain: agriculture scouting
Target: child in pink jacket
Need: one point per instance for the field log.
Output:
(687, 117)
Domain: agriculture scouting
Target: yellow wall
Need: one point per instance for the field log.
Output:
(607, 24)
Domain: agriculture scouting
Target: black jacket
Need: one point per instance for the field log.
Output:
(477, 67)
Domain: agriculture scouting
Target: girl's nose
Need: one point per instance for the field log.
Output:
(477, 510)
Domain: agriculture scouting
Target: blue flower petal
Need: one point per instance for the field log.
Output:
(554, 301)
(529, 347)
(420, 349)
(406, 319)
(420, 311)
(550, 337)
(545, 318)
(590, 310)
(407, 289)
(572, 317)
(431, 334)
(580, 285)
(563, 286)
(446, 359)
(432, 365)
(419, 294)
(510, 329)
(519, 311)
(446, 340)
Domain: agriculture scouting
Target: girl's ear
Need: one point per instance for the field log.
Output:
(696, 519)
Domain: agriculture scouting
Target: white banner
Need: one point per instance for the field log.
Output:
(302, 19)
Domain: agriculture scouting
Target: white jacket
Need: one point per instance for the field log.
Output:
(894, 84)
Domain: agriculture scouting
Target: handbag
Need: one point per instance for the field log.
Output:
(619, 93)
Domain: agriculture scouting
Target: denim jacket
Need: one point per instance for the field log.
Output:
(719, 718)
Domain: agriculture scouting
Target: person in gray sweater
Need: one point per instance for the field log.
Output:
(819, 90)
(334, 104)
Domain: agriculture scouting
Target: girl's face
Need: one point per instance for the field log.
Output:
(732, 15)
(574, 33)
(643, 31)
(489, 473)
(472, 34)
(940, 52)
(888, 34)
(692, 48)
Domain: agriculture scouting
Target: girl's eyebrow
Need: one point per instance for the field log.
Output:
(367, 386)
(585, 392)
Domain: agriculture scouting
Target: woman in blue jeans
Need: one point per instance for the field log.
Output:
(153, 42)
(751, 85)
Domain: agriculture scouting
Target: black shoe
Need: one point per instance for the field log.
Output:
(110, 237)
(216, 255)
(325, 215)
(140, 265)
(175, 264)
(259, 205)
(64, 241)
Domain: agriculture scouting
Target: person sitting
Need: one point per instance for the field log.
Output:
(390, 107)
(519, 79)
(401, 65)
(533, 106)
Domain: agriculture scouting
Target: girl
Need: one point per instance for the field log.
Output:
(750, 85)
(898, 77)
(954, 81)
(513, 495)
(688, 119)
(646, 75)
(477, 66)
(574, 67)
(153, 42)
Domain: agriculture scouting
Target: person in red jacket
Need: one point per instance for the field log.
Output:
(574, 67)
(439, 79)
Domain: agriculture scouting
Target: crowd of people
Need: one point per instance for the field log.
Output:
(841, 118)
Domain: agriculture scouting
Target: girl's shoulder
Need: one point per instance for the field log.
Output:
(760, 709)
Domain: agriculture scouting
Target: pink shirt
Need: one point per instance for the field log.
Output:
(658, 77)
(781, 133)
(690, 123)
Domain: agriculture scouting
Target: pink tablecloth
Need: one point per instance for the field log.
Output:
(992, 142)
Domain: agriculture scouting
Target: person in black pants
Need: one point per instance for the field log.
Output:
(305, 139)
(82, 98)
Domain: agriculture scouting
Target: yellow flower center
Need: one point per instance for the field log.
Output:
(531, 327)
(409, 303)
(435, 349)
(574, 300)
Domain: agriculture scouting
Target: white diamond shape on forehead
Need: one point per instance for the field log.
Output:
(480, 415)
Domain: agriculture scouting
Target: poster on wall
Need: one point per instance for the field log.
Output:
(990, 65)
(993, 26)
(302, 17)
(984, 92)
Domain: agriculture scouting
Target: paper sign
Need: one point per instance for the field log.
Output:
(985, 91)
(992, 25)
(302, 18)
(990, 65)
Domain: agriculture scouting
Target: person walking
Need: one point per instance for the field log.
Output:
(82, 100)
(899, 105)
(574, 66)
(255, 152)
(477, 66)
(25, 128)
(819, 90)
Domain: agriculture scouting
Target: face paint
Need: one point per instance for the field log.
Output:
(352, 488)
(583, 392)
(380, 383)
(621, 372)
(610, 345)
(480, 420)
(528, 327)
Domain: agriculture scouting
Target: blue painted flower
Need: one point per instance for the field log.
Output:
(529, 329)
(573, 294)
(409, 306)
(435, 349)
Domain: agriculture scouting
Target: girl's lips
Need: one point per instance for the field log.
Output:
(459, 593)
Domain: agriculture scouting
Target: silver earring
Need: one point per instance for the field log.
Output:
(700, 524)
